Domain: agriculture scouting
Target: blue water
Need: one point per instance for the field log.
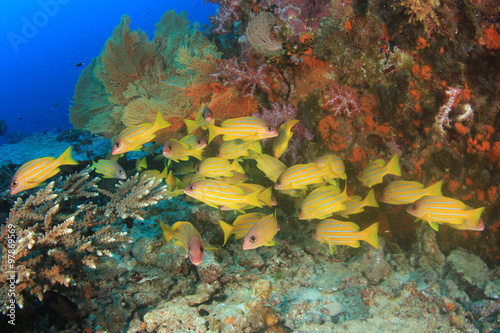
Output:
(42, 41)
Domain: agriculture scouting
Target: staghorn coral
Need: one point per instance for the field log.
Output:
(54, 237)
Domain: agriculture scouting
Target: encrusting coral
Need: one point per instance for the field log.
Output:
(55, 236)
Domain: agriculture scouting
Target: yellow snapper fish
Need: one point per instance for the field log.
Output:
(466, 225)
(235, 179)
(265, 196)
(185, 168)
(216, 193)
(237, 148)
(376, 170)
(299, 176)
(194, 141)
(439, 209)
(180, 151)
(280, 144)
(322, 203)
(334, 232)
(175, 186)
(155, 174)
(133, 137)
(403, 192)
(262, 233)
(337, 164)
(186, 236)
(188, 179)
(33, 173)
(203, 117)
(269, 165)
(109, 169)
(355, 204)
(241, 225)
(244, 128)
(215, 167)
(140, 164)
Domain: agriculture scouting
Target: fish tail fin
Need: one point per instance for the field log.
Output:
(227, 229)
(66, 158)
(435, 189)
(393, 166)
(164, 173)
(253, 199)
(370, 200)
(191, 125)
(254, 154)
(256, 147)
(213, 131)
(328, 169)
(475, 215)
(370, 235)
(160, 123)
(235, 166)
(167, 231)
(291, 123)
(196, 153)
(170, 180)
(142, 164)
(266, 196)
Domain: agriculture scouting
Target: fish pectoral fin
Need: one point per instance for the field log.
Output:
(434, 225)
(270, 243)
(332, 249)
(212, 205)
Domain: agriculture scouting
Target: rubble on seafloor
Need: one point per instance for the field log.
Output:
(295, 286)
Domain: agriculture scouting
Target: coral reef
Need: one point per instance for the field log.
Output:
(156, 76)
(53, 233)
(367, 80)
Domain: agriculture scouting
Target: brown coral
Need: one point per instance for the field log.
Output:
(134, 78)
(53, 235)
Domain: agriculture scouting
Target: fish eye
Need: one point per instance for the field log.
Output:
(269, 128)
(169, 147)
(199, 141)
(300, 210)
(14, 183)
(202, 249)
(120, 172)
(191, 187)
(117, 145)
(278, 181)
(252, 239)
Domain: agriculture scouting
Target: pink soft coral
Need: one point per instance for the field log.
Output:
(341, 100)
(279, 114)
(247, 79)
(227, 14)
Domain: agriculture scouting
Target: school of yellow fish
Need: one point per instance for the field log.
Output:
(220, 182)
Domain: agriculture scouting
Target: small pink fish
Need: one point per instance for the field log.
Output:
(188, 237)
(262, 233)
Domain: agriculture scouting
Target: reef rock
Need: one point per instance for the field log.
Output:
(468, 271)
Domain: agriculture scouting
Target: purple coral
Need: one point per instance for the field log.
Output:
(300, 15)
(227, 14)
(279, 114)
(247, 79)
